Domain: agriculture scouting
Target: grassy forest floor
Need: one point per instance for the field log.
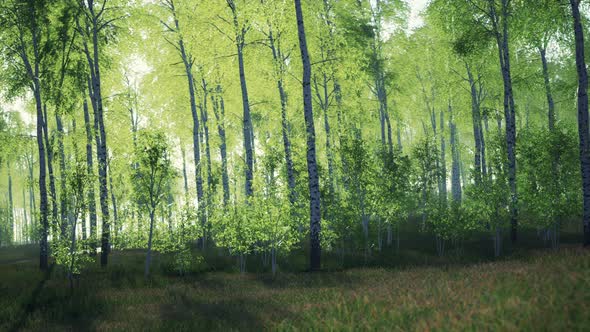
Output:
(529, 288)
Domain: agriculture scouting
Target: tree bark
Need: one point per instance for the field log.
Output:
(328, 55)
(550, 102)
(487, 132)
(32, 202)
(148, 258)
(482, 140)
(582, 116)
(204, 118)
(330, 157)
(439, 162)
(94, 22)
(501, 34)
(188, 66)
(240, 33)
(475, 116)
(62, 171)
(114, 202)
(33, 75)
(51, 173)
(443, 160)
(26, 226)
(184, 175)
(219, 112)
(314, 188)
(323, 98)
(11, 224)
(43, 244)
(389, 133)
(279, 60)
(456, 189)
(378, 71)
(90, 170)
(72, 253)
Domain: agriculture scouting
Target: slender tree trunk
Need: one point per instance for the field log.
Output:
(204, 118)
(389, 234)
(314, 185)
(100, 137)
(475, 115)
(169, 201)
(327, 128)
(49, 151)
(497, 241)
(273, 260)
(455, 170)
(11, 222)
(26, 226)
(77, 204)
(287, 144)
(443, 160)
(379, 79)
(511, 134)
(95, 235)
(62, 171)
(247, 121)
(114, 202)
(102, 169)
(323, 97)
(509, 107)
(43, 245)
(32, 203)
(381, 118)
(33, 74)
(219, 112)
(148, 258)
(328, 50)
(253, 143)
(188, 62)
(464, 179)
(72, 256)
(93, 57)
(439, 174)
(278, 58)
(91, 200)
(196, 146)
(582, 116)
(184, 175)
(487, 130)
(379, 235)
(550, 102)
(482, 140)
(364, 218)
(551, 126)
(382, 96)
(389, 134)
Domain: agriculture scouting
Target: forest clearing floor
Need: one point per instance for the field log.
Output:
(532, 289)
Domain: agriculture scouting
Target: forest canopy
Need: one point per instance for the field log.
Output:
(264, 127)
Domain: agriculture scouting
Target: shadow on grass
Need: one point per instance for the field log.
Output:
(29, 306)
(215, 297)
(243, 313)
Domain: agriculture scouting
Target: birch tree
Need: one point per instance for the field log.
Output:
(312, 171)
